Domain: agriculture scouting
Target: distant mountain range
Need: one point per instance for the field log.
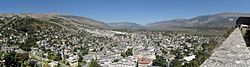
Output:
(205, 22)
(126, 26)
(215, 21)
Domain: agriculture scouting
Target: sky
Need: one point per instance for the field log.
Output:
(137, 11)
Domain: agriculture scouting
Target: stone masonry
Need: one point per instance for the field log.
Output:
(231, 53)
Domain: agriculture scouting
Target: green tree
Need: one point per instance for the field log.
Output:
(159, 61)
(22, 56)
(123, 54)
(31, 41)
(1, 54)
(83, 51)
(129, 52)
(25, 47)
(176, 63)
(116, 60)
(10, 60)
(93, 63)
(80, 58)
(55, 57)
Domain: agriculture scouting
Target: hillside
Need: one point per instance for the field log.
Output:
(213, 24)
(205, 22)
(126, 26)
(66, 21)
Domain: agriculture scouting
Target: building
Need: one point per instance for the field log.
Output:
(144, 62)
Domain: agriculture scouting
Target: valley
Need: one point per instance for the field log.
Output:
(72, 41)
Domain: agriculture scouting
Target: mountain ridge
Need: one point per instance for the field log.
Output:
(66, 20)
(203, 22)
(209, 21)
(126, 26)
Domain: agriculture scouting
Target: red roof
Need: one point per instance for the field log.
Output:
(144, 61)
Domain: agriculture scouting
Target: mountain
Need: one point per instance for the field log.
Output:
(205, 22)
(87, 21)
(126, 26)
(165, 25)
(65, 21)
(25, 24)
(218, 21)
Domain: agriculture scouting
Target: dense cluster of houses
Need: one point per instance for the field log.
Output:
(105, 46)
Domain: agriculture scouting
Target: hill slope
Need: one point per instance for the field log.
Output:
(206, 22)
(67, 21)
(126, 26)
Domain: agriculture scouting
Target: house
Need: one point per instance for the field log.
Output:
(144, 62)
(53, 64)
(189, 58)
(169, 57)
(126, 62)
(137, 54)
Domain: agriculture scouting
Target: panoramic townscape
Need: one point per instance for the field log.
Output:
(31, 40)
(124, 33)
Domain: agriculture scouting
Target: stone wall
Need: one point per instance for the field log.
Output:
(231, 53)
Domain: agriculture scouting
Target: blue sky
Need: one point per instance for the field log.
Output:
(138, 11)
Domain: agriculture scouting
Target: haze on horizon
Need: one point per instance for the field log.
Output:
(137, 11)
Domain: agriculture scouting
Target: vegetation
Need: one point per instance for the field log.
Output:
(13, 59)
(228, 32)
(94, 63)
(31, 41)
(55, 57)
(33, 25)
(129, 52)
(159, 61)
(116, 60)
(201, 56)
(177, 53)
(123, 54)
(176, 63)
(80, 58)
(84, 51)
(82, 63)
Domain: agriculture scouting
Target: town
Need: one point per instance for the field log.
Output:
(105, 48)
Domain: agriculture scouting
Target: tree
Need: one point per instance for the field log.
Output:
(129, 52)
(93, 63)
(176, 63)
(82, 63)
(80, 58)
(32, 63)
(1, 54)
(25, 47)
(55, 57)
(22, 56)
(193, 63)
(159, 61)
(123, 54)
(83, 51)
(10, 60)
(31, 41)
(116, 60)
